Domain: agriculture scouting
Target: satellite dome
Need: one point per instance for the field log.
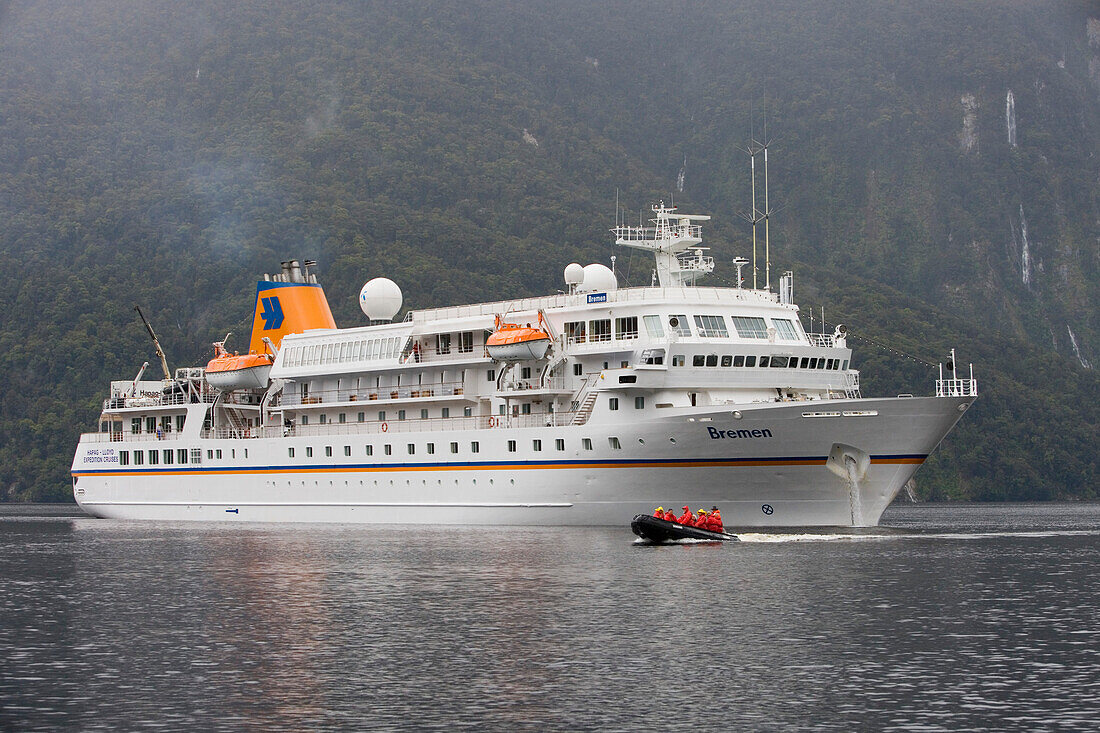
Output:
(380, 299)
(597, 278)
(574, 274)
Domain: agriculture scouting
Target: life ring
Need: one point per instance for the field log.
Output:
(385, 427)
(492, 421)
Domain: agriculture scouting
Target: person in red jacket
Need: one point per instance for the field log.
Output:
(670, 516)
(660, 513)
(716, 519)
(701, 519)
(687, 517)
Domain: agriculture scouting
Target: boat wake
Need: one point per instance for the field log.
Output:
(774, 538)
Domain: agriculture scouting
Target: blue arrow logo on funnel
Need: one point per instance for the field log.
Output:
(272, 313)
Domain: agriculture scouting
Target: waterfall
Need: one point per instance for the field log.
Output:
(1010, 118)
(1025, 253)
(1076, 350)
(680, 177)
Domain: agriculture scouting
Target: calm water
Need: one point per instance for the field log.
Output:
(946, 618)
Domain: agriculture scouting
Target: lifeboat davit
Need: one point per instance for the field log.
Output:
(228, 372)
(513, 342)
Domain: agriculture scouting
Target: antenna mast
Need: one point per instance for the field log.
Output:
(755, 148)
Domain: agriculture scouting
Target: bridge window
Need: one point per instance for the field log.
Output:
(763, 361)
(712, 326)
(677, 360)
(626, 328)
(653, 327)
(739, 361)
(750, 361)
(727, 360)
(599, 330)
(698, 360)
(750, 327)
(712, 360)
(785, 329)
(779, 362)
(574, 332)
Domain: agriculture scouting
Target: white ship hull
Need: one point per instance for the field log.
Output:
(783, 464)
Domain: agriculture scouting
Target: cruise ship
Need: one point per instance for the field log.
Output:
(585, 407)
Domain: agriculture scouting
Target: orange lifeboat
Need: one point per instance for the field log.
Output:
(513, 342)
(228, 372)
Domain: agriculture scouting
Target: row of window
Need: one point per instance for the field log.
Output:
(365, 349)
(430, 448)
(383, 415)
(155, 425)
(773, 362)
(170, 457)
(167, 456)
(706, 326)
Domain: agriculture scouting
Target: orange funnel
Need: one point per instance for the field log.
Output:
(283, 308)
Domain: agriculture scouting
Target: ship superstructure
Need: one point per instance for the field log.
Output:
(584, 407)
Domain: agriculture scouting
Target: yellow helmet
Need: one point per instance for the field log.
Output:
(660, 508)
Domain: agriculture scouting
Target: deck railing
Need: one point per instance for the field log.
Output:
(956, 387)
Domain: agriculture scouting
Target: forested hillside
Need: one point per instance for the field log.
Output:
(935, 172)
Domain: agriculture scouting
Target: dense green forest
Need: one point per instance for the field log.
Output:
(935, 172)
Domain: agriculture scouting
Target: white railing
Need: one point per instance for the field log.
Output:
(412, 392)
(827, 340)
(622, 295)
(659, 233)
(956, 387)
(128, 437)
(518, 385)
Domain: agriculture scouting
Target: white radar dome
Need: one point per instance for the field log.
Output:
(597, 278)
(574, 274)
(380, 299)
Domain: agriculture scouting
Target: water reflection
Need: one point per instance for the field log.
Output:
(950, 620)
